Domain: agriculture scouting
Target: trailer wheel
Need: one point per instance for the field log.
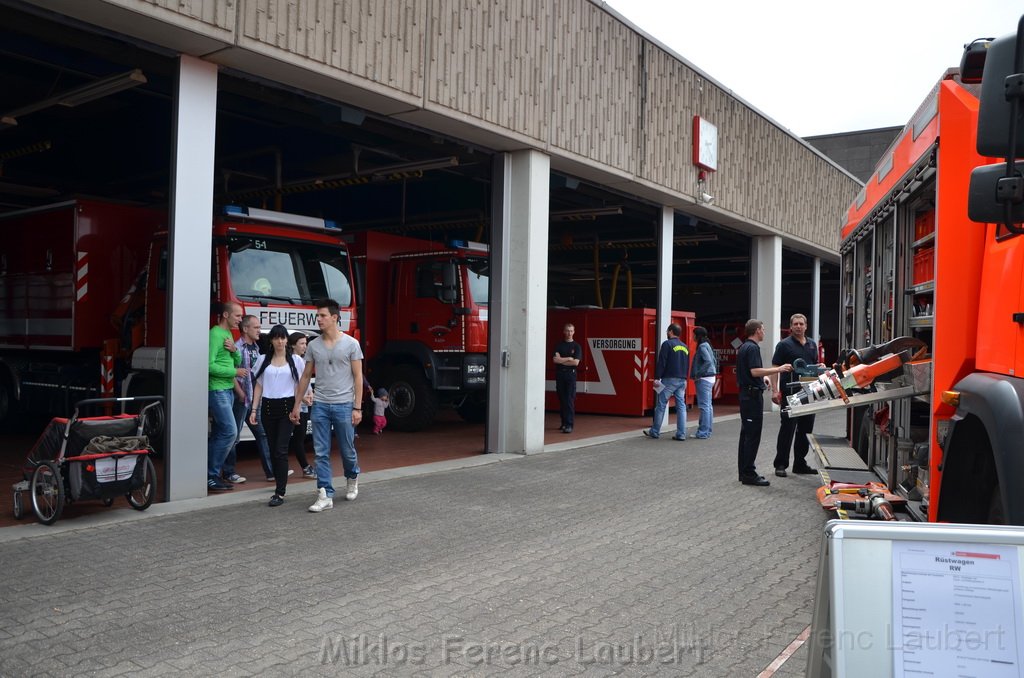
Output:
(142, 497)
(19, 506)
(413, 404)
(47, 492)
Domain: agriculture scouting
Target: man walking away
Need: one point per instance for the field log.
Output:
(670, 373)
(704, 371)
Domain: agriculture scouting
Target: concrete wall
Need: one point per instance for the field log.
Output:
(567, 77)
(857, 152)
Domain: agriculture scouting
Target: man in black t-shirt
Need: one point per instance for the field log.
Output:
(752, 379)
(796, 345)
(567, 359)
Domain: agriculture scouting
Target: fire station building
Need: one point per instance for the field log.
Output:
(601, 168)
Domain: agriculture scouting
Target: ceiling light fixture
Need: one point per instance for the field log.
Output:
(101, 88)
(585, 214)
(694, 239)
(79, 95)
(416, 166)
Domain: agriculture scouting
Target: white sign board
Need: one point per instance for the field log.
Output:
(901, 600)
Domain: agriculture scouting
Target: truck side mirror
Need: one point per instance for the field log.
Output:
(990, 194)
(996, 192)
(997, 113)
(448, 280)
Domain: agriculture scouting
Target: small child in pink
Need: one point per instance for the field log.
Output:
(380, 406)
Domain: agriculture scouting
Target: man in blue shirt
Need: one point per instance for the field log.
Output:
(752, 379)
(670, 374)
(796, 346)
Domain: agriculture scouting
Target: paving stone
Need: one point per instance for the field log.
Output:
(625, 558)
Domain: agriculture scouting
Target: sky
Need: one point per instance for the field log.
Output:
(823, 67)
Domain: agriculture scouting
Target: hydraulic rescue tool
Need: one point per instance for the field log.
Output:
(871, 504)
(858, 369)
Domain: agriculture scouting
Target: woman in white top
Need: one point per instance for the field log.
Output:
(277, 374)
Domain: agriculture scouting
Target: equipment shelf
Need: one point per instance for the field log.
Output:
(928, 239)
(928, 286)
(859, 399)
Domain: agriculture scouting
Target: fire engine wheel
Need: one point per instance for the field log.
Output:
(413, 404)
(473, 408)
(47, 493)
(142, 497)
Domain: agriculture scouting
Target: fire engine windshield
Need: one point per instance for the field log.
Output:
(478, 271)
(288, 271)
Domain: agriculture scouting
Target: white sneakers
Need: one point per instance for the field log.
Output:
(322, 503)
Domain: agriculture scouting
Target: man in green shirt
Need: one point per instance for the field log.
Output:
(224, 367)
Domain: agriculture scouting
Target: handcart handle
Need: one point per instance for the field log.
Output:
(151, 399)
(127, 399)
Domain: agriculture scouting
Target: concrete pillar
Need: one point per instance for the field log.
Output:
(190, 250)
(766, 292)
(815, 328)
(666, 238)
(518, 308)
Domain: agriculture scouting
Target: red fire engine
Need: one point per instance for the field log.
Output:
(59, 293)
(423, 316)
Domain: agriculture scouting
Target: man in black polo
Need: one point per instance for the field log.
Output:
(752, 379)
(567, 359)
(796, 345)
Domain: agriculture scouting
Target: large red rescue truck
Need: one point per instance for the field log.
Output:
(63, 269)
(915, 265)
(423, 318)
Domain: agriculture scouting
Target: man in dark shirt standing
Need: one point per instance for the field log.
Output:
(670, 374)
(567, 359)
(752, 379)
(796, 345)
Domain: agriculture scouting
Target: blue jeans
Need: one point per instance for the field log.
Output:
(222, 433)
(707, 413)
(677, 388)
(242, 415)
(324, 416)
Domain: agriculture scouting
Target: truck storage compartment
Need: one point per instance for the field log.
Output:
(924, 265)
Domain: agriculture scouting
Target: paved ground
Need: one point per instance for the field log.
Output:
(632, 557)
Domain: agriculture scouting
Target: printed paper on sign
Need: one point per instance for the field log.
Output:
(110, 469)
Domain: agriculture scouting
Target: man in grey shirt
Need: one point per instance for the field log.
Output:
(337, 403)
